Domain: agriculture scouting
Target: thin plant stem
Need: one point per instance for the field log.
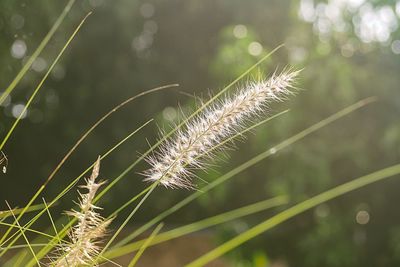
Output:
(295, 210)
(37, 52)
(23, 234)
(200, 225)
(145, 245)
(39, 86)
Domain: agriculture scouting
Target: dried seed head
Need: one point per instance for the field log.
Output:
(173, 163)
(85, 237)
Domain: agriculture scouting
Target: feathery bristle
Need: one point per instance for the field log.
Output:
(171, 164)
(86, 235)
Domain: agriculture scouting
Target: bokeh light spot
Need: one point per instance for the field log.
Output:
(396, 47)
(362, 217)
(18, 49)
(169, 113)
(347, 50)
(17, 110)
(39, 64)
(255, 48)
(240, 31)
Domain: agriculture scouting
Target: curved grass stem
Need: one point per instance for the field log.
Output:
(295, 210)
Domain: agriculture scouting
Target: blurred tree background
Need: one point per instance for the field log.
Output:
(350, 49)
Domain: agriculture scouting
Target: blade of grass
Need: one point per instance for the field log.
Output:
(37, 52)
(39, 86)
(26, 246)
(246, 165)
(26, 229)
(26, 239)
(20, 259)
(295, 210)
(200, 225)
(135, 209)
(97, 123)
(52, 222)
(145, 245)
(6, 213)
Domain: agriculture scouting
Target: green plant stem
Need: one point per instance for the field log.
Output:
(30, 101)
(39, 86)
(145, 245)
(6, 213)
(37, 52)
(23, 234)
(154, 185)
(200, 225)
(295, 210)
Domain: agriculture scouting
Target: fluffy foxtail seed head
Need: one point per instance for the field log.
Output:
(85, 237)
(172, 164)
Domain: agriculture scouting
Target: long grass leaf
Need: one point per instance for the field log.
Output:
(145, 245)
(295, 210)
(200, 225)
(37, 52)
(39, 86)
(26, 239)
(6, 213)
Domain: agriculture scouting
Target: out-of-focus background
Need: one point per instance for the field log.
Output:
(350, 49)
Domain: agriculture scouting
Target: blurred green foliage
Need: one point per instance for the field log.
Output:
(349, 50)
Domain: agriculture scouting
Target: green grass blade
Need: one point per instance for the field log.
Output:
(26, 239)
(37, 52)
(200, 225)
(145, 245)
(52, 221)
(295, 210)
(154, 185)
(98, 122)
(20, 258)
(26, 229)
(39, 86)
(6, 213)
(245, 166)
